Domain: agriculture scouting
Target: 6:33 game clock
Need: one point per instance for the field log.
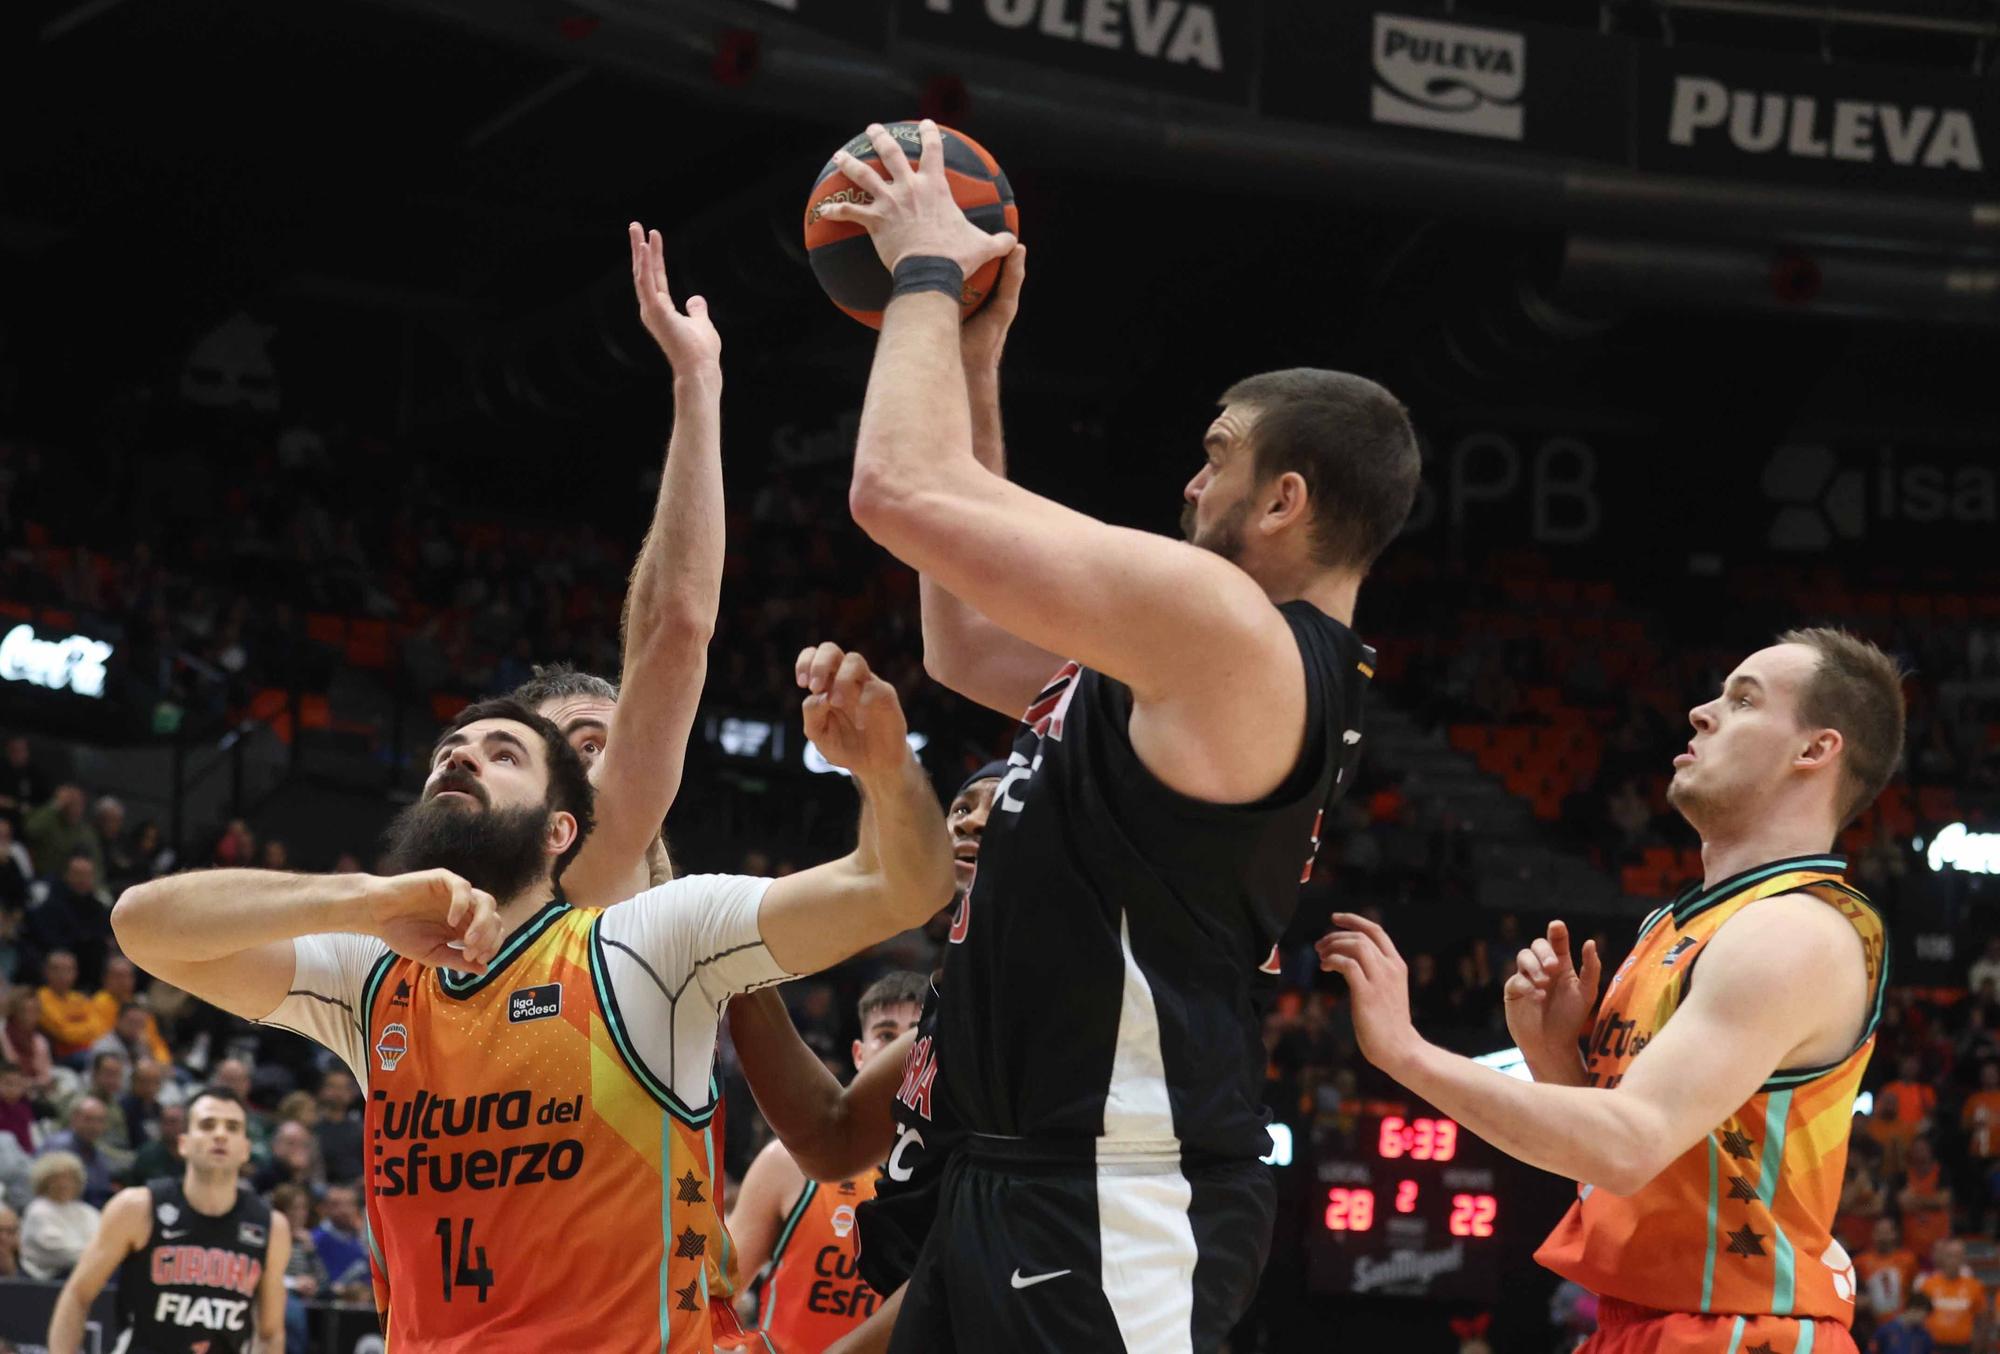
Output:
(1414, 1211)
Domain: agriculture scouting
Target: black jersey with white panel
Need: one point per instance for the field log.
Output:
(192, 1288)
(1108, 955)
(895, 1222)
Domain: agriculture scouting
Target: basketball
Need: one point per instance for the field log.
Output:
(844, 258)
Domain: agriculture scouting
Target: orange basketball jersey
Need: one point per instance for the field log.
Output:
(815, 1293)
(1742, 1223)
(542, 1163)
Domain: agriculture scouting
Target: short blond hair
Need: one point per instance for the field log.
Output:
(1858, 690)
(49, 1165)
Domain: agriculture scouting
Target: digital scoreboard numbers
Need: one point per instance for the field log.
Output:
(1414, 1210)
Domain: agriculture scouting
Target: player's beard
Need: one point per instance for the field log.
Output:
(1224, 537)
(498, 850)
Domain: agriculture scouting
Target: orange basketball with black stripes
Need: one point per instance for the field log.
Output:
(844, 258)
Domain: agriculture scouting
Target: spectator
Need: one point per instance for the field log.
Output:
(16, 1165)
(66, 1015)
(82, 1142)
(1984, 977)
(1981, 1116)
(107, 819)
(17, 1116)
(1924, 1200)
(1887, 1272)
(292, 1160)
(305, 1275)
(22, 784)
(342, 1248)
(58, 1223)
(150, 853)
(1978, 1044)
(274, 856)
(13, 946)
(57, 830)
(10, 1237)
(1908, 1332)
(339, 1130)
(75, 916)
(23, 1044)
(1958, 1299)
(161, 1156)
(107, 1082)
(1861, 1203)
(128, 1036)
(16, 870)
(141, 1102)
(1916, 1098)
(237, 845)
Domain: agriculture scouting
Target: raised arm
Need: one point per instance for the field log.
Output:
(1127, 603)
(963, 649)
(900, 871)
(226, 935)
(671, 600)
(1749, 1016)
(832, 1131)
(126, 1224)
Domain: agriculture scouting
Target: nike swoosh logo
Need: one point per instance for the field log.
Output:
(1020, 1282)
(170, 1234)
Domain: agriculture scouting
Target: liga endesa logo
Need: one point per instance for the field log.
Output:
(534, 1003)
(1448, 77)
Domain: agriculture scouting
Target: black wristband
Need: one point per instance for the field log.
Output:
(928, 272)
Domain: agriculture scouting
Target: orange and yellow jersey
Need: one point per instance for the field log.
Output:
(542, 1168)
(1742, 1223)
(813, 1291)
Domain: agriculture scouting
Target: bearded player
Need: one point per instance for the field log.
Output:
(1189, 712)
(1706, 1119)
(538, 1072)
(200, 1261)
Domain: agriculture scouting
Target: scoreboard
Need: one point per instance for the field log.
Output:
(1415, 1209)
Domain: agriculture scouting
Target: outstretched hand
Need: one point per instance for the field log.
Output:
(436, 918)
(1378, 983)
(1549, 1000)
(910, 212)
(689, 341)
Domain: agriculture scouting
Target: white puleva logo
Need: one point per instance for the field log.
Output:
(1448, 77)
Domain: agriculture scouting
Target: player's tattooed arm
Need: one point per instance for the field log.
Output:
(671, 600)
(832, 1131)
(126, 1223)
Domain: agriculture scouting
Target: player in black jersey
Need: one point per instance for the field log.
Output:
(890, 1115)
(200, 1260)
(1190, 712)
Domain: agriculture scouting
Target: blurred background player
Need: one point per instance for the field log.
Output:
(199, 1261)
(804, 1231)
(1707, 1122)
(602, 1023)
(1157, 816)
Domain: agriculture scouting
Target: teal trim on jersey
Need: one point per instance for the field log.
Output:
(708, 1146)
(1697, 900)
(1736, 1336)
(1805, 1344)
(463, 985)
(371, 989)
(614, 1020)
(1714, 1207)
(666, 1231)
(1653, 919)
(1784, 1278)
(1799, 1076)
(770, 1303)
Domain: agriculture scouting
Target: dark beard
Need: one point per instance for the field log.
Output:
(1225, 538)
(498, 850)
